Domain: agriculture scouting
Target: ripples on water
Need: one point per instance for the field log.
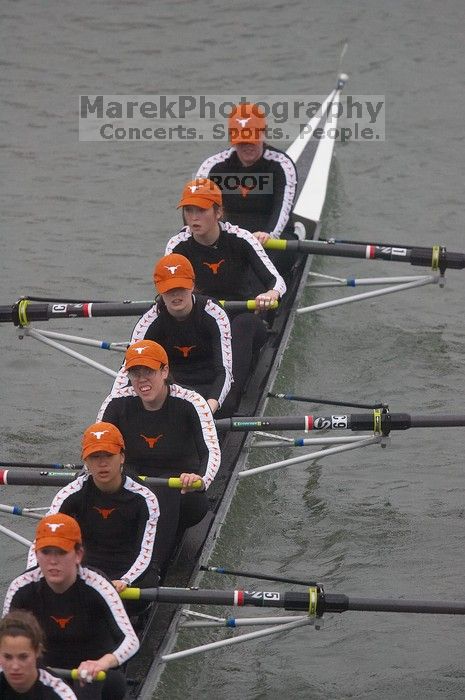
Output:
(92, 218)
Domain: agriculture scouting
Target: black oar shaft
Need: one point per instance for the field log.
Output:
(33, 477)
(341, 603)
(435, 257)
(315, 600)
(330, 402)
(40, 465)
(257, 575)
(24, 312)
(293, 600)
(377, 421)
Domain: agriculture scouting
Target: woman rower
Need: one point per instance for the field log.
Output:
(193, 329)
(168, 431)
(21, 646)
(117, 514)
(83, 618)
(229, 263)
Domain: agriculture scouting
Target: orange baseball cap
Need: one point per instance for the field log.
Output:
(102, 437)
(58, 530)
(146, 353)
(173, 271)
(201, 192)
(246, 123)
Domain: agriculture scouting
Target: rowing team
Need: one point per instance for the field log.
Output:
(186, 360)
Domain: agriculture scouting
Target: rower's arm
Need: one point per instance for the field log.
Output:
(219, 330)
(284, 191)
(262, 265)
(206, 441)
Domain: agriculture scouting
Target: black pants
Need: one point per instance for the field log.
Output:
(248, 333)
(177, 513)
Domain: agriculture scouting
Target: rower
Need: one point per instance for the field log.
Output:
(85, 623)
(194, 330)
(225, 258)
(21, 646)
(258, 181)
(117, 514)
(168, 431)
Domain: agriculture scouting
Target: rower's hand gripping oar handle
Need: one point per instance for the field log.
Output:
(174, 482)
(248, 305)
(73, 674)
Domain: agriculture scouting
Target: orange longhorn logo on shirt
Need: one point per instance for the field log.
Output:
(214, 266)
(62, 621)
(151, 441)
(104, 512)
(185, 350)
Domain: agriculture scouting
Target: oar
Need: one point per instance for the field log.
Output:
(315, 601)
(40, 465)
(436, 257)
(14, 536)
(17, 510)
(377, 421)
(24, 311)
(256, 575)
(24, 477)
(330, 402)
(73, 674)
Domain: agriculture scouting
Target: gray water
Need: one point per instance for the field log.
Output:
(91, 218)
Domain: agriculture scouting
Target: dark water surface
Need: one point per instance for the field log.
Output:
(91, 218)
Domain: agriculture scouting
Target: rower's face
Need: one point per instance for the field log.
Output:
(59, 567)
(149, 384)
(178, 302)
(249, 153)
(18, 659)
(202, 222)
(105, 469)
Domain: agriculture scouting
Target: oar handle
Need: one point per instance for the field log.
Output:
(248, 305)
(33, 477)
(73, 674)
(173, 482)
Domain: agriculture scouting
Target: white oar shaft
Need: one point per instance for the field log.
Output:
(34, 333)
(368, 295)
(90, 342)
(305, 442)
(17, 510)
(242, 622)
(236, 640)
(309, 457)
(365, 281)
(14, 536)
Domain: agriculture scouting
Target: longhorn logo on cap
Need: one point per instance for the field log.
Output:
(243, 122)
(98, 434)
(172, 268)
(54, 526)
(141, 349)
(193, 188)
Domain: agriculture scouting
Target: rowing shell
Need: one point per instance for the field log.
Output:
(313, 160)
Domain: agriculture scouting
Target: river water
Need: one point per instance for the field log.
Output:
(90, 218)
